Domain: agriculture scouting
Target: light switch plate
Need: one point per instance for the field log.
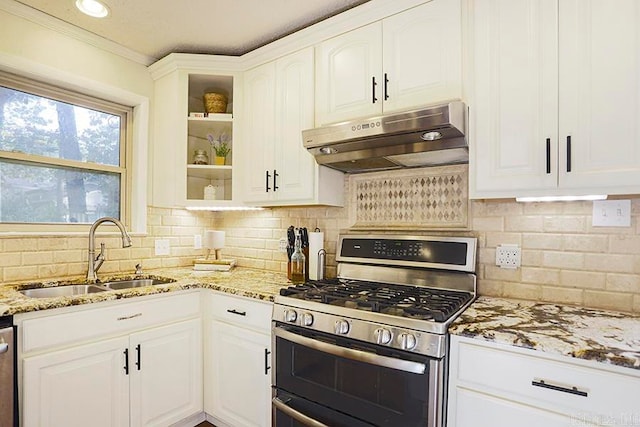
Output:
(162, 247)
(611, 213)
(197, 241)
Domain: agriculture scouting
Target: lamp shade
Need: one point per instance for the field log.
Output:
(213, 239)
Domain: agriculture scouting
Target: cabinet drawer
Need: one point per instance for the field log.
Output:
(241, 311)
(94, 321)
(565, 386)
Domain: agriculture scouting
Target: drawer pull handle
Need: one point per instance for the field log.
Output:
(130, 317)
(239, 313)
(266, 361)
(565, 389)
(126, 361)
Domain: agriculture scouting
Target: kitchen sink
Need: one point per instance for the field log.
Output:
(63, 291)
(135, 283)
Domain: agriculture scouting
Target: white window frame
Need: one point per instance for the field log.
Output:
(57, 93)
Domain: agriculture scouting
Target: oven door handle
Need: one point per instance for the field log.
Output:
(350, 353)
(298, 416)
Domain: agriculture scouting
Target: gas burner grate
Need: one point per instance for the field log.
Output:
(414, 302)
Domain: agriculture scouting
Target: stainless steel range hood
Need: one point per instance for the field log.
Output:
(426, 137)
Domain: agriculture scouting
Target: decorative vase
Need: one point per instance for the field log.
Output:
(220, 160)
(200, 157)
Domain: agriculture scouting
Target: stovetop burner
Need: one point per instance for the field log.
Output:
(415, 302)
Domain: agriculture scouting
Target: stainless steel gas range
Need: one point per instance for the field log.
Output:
(369, 348)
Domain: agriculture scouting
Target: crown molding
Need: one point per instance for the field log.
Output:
(59, 26)
(195, 62)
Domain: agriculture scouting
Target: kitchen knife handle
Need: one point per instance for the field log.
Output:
(386, 87)
(548, 155)
(275, 177)
(373, 90)
(267, 181)
(568, 153)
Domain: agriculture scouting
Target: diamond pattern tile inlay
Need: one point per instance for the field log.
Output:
(435, 197)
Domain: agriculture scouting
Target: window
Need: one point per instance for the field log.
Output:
(62, 155)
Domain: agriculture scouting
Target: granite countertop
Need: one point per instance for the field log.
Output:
(584, 333)
(258, 284)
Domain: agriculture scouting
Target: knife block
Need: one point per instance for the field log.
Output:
(305, 251)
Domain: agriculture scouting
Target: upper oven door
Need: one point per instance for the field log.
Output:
(375, 384)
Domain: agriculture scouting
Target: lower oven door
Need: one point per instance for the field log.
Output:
(375, 385)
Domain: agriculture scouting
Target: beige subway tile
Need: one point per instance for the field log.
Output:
(52, 244)
(10, 259)
(522, 291)
(543, 208)
(69, 256)
(562, 295)
(608, 300)
(171, 262)
(492, 223)
(531, 258)
(564, 224)
(496, 208)
(178, 231)
(623, 282)
(12, 274)
(152, 263)
(609, 263)
(35, 258)
(20, 244)
(159, 231)
(115, 254)
(274, 265)
(53, 271)
(540, 276)
(577, 208)
(497, 238)
(624, 244)
(264, 254)
(582, 279)
(491, 288)
(585, 243)
(153, 219)
(566, 260)
(636, 303)
(523, 223)
(541, 241)
(486, 255)
(78, 243)
(77, 268)
(493, 272)
(252, 263)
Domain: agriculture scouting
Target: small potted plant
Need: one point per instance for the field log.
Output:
(220, 147)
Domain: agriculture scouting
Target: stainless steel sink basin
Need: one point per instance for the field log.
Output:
(135, 283)
(62, 291)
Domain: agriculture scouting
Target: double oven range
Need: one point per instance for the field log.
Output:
(369, 348)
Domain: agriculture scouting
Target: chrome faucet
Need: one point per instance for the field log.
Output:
(95, 262)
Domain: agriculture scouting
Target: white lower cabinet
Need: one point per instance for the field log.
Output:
(238, 362)
(141, 377)
(504, 386)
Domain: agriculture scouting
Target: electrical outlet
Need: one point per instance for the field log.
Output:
(162, 247)
(197, 241)
(283, 245)
(508, 256)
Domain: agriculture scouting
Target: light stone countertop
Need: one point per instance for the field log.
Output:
(258, 284)
(579, 332)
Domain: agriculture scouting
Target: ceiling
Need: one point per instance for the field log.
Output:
(155, 28)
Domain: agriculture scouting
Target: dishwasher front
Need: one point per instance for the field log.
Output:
(8, 402)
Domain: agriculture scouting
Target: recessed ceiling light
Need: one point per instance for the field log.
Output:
(92, 8)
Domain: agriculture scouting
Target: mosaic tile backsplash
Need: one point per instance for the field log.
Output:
(426, 198)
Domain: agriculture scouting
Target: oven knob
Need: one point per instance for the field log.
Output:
(342, 327)
(383, 336)
(290, 316)
(406, 341)
(307, 319)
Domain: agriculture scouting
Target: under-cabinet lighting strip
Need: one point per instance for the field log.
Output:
(223, 208)
(561, 198)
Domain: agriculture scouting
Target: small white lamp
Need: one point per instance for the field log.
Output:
(213, 240)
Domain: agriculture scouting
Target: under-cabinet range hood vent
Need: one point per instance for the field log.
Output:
(426, 137)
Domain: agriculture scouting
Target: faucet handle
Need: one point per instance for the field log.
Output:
(138, 269)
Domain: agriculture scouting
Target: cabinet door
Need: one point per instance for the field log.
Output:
(166, 374)
(82, 386)
(348, 75)
(422, 55)
(600, 95)
(239, 379)
(513, 106)
(296, 168)
(477, 409)
(259, 133)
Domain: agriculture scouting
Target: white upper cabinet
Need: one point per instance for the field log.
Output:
(408, 60)
(277, 169)
(548, 114)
